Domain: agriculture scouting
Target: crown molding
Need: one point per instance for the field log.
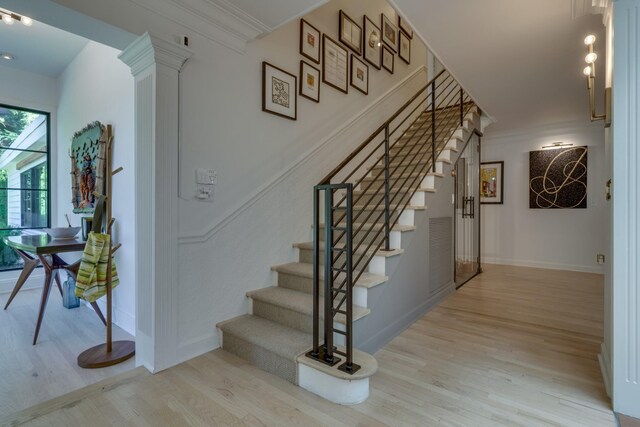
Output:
(591, 7)
(215, 20)
(147, 50)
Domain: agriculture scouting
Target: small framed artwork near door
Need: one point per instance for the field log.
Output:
(279, 94)
(309, 41)
(388, 59)
(309, 81)
(492, 183)
(372, 43)
(359, 75)
(404, 48)
(389, 32)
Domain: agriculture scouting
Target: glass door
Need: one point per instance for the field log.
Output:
(467, 213)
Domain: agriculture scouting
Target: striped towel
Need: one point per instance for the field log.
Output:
(92, 276)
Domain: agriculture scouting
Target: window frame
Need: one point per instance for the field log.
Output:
(48, 169)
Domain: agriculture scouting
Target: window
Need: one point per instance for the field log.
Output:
(24, 176)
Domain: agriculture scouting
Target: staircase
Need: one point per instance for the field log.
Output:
(370, 201)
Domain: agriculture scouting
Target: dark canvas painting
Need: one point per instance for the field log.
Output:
(558, 178)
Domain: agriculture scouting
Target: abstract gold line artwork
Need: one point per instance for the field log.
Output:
(558, 178)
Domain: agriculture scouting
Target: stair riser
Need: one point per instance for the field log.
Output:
(374, 234)
(306, 255)
(263, 359)
(305, 284)
(289, 318)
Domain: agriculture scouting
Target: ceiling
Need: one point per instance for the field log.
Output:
(40, 49)
(521, 60)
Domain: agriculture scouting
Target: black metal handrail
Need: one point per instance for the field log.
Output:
(375, 184)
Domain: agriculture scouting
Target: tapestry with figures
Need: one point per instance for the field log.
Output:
(87, 166)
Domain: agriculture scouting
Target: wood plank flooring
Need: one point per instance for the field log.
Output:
(33, 374)
(513, 347)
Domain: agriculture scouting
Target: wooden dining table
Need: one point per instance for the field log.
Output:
(42, 249)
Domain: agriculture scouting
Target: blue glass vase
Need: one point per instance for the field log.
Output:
(69, 298)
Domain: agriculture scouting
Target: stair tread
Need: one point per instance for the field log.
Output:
(381, 208)
(393, 190)
(383, 253)
(286, 342)
(397, 227)
(300, 302)
(304, 269)
(368, 365)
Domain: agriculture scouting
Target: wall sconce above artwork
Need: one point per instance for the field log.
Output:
(555, 145)
(590, 72)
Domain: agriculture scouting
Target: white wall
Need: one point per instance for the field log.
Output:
(567, 239)
(266, 165)
(98, 86)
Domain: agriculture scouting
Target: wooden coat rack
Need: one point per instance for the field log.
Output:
(111, 352)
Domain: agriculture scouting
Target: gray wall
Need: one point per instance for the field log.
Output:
(408, 294)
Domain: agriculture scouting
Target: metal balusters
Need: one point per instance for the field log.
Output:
(433, 126)
(387, 244)
(405, 153)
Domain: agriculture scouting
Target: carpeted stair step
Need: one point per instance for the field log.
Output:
(298, 276)
(268, 345)
(293, 309)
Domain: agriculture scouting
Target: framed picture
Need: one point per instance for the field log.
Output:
(389, 32)
(309, 81)
(404, 47)
(279, 95)
(558, 178)
(387, 59)
(309, 41)
(335, 66)
(372, 43)
(359, 75)
(350, 33)
(492, 183)
(405, 27)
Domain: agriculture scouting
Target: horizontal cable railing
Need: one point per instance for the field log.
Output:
(364, 197)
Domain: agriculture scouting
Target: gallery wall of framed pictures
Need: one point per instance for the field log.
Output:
(363, 43)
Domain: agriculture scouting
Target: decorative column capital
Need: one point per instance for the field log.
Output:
(148, 50)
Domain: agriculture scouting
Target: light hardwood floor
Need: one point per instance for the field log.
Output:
(515, 346)
(33, 374)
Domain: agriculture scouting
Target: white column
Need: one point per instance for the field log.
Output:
(155, 65)
(626, 208)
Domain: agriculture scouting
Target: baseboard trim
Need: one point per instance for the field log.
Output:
(121, 318)
(263, 190)
(605, 364)
(8, 280)
(197, 346)
(385, 336)
(545, 265)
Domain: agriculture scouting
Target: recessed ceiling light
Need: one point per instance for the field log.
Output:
(27, 21)
(7, 19)
(7, 56)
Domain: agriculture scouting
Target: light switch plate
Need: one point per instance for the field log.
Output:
(206, 176)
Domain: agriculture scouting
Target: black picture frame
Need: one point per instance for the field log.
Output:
(367, 25)
(293, 93)
(405, 55)
(389, 32)
(345, 22)
(358, 64)
(303, 65)
(403, 25)
(327, 39)
(500, 179)
(306, 27)
(389, 53)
